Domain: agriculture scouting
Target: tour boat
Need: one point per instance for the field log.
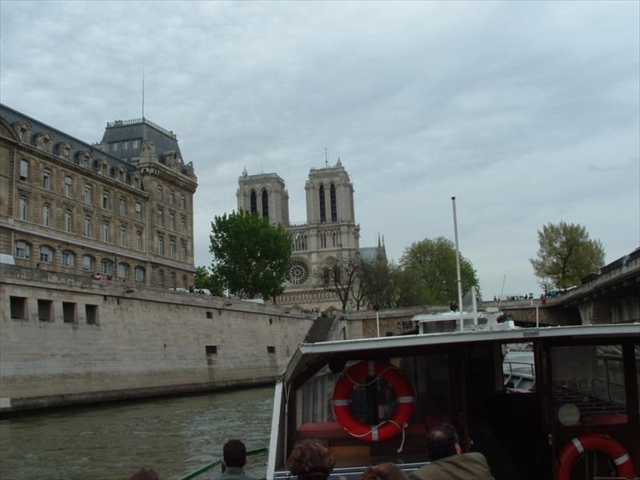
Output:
(371, 400)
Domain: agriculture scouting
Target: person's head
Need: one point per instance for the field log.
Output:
(442, 441)
(144, 474)
(384, 471)
(234, 454)
(310, 461)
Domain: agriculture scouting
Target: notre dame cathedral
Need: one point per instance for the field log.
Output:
(330, 235)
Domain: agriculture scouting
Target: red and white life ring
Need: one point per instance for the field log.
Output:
(600, 443)
(357, 375)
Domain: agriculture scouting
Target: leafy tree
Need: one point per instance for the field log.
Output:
(204, 279)
(565, 255)
(251, 257)
(377, 283)
(342, 278)
(430, 273)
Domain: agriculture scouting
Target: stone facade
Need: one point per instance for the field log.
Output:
(329, 237)
(121, 209)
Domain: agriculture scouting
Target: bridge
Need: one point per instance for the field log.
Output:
(612, 295)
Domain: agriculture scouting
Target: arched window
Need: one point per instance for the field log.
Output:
(265, 203)
(46, 254)
(88, 262)
(23, 250)
(254, 202)
(334, 205)
(323, 210)
(68, 259)
(139, 274)
(326, 276)
(123, 270)
(107, 266)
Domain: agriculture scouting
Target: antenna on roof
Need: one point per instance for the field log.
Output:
(326, 160)
(143, 93)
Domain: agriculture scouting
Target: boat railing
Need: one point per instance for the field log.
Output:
(519, 368)
(218, 463)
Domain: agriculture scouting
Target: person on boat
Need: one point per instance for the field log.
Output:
(447, 460)
(310, 460)
(384, 471)
(144, 474)
(234, 458)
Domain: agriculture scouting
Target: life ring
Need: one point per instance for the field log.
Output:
(594, 441)
(356, 375)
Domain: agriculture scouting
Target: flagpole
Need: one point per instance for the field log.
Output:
(455, 230)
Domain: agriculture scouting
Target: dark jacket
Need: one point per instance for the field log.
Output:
(232, 473)
(467, 466)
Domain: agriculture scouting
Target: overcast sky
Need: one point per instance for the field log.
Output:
(527, 112)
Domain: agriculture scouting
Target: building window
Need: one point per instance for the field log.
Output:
(46, 214)
(46, 254)
(45, 310)
(183, 202)
(105, 199)
(107, 266)
(68, 221)
(68, 187)
(183, 251)
(172, 197)
(69, 312)
(172, 221)
(87, 262)
(123, 206)
(24, 208)
(160, 245)
(253, 207)
(172, 280)
(323, 210)
(172, 249)
(125, 145)
(114, 147)
(87, 194)
(123, 236)
(23, 250)
(183, 224)
(46, 179)
(105, 232)
(159, 193)
(139, 274)
(161, 278)
(123, 270)
(265, 203)
(334, 204)
(138, 211)
(160, 219)
(271, 349)
(67, 259)
(323, 239)
(91, 312)
(211, 349)
(88, 226)
(18, 307)
(139, 240)
(135, 144)
(24, 169)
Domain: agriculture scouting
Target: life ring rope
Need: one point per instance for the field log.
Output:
(355, 376)
(598, 442)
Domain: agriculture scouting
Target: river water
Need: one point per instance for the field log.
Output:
(176, 436)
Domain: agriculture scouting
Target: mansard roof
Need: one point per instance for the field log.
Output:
(37, 128)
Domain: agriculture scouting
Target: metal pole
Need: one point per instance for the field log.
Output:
(455, 230)
(377, 322)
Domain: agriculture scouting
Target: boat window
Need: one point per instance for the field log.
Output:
(588, 385)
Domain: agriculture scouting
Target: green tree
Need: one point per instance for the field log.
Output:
(251, 257)
(565, 255)
(204, 279)
(377, 283)
(430, 273)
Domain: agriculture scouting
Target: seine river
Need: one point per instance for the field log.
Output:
(176, 436)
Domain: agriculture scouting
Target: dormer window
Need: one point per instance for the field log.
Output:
(43, 142)
(84, 159)
(22, 129)
(64, 150)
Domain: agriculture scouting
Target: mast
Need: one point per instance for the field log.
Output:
(455, 230)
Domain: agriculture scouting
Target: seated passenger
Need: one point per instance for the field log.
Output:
(447, 460)
(384, 471)
(144, 474)
(234, 458)
(310, 460)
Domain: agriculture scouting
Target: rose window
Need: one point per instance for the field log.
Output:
(298, 273)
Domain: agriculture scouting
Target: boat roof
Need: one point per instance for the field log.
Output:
(311, 357)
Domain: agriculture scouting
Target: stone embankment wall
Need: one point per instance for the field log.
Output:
(67, 339)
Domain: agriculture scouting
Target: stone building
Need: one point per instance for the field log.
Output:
(330, 237)
(120, 210)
